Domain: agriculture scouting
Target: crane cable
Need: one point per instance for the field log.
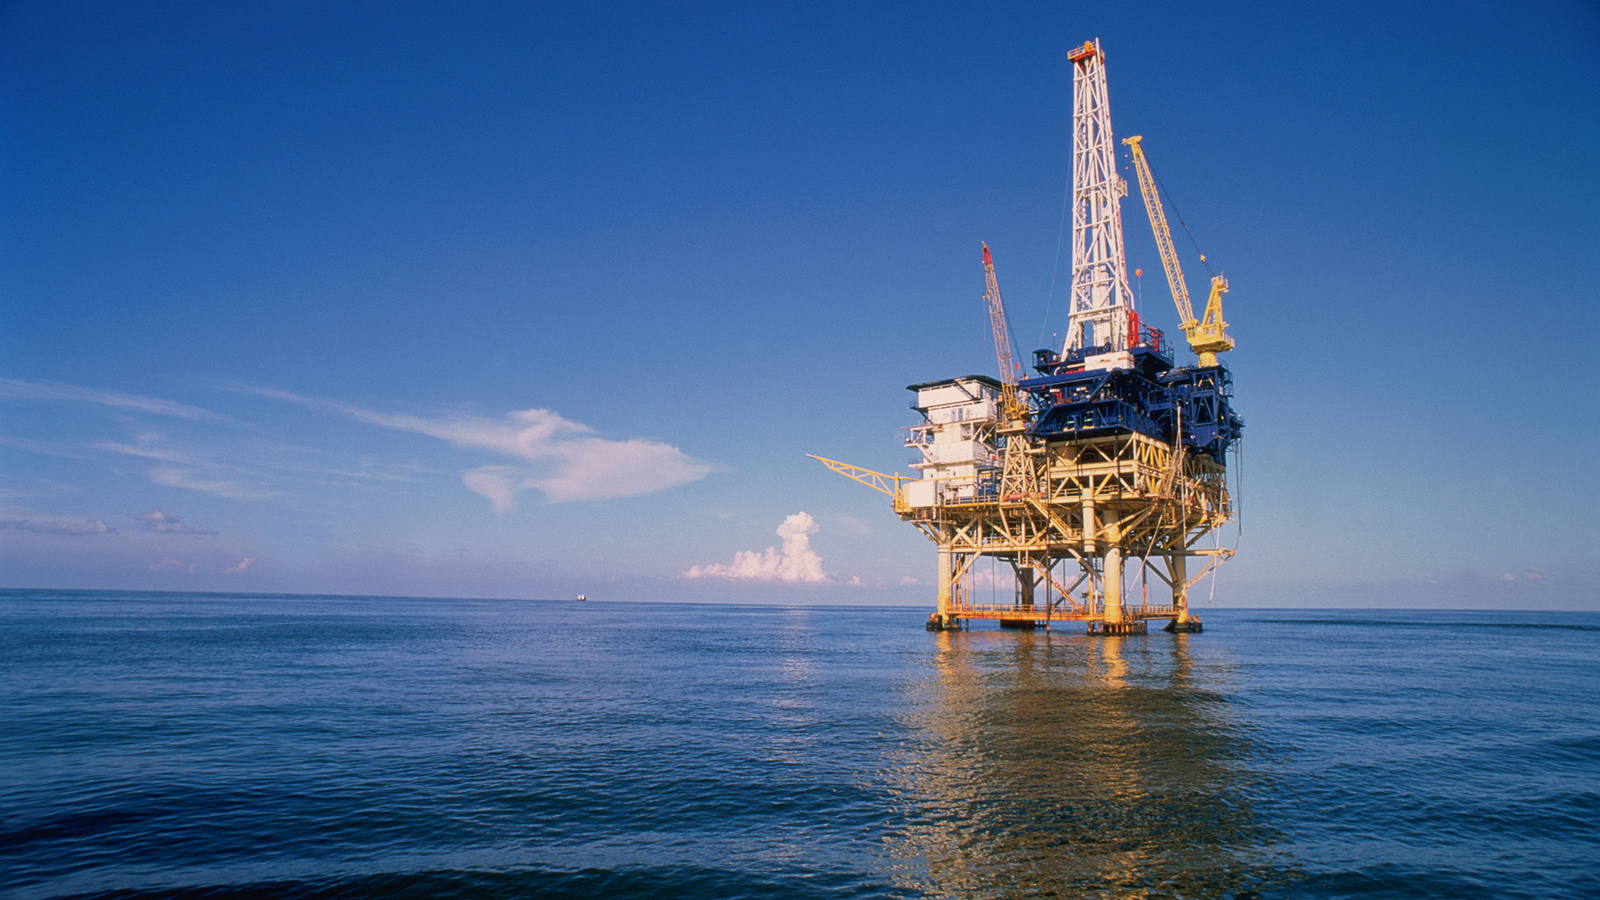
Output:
(1011, 341)
(1066, 198)
(1172, 203)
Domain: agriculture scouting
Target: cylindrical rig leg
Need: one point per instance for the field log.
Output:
(1178, 566)
(1113, 579)
(1088, 529)
(944, 584)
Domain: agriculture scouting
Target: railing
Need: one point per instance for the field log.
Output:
(1154, 338)
(1008, 610)
(1039, 612)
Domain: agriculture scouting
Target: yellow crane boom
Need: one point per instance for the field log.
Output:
(878, 481)
(1208, 336)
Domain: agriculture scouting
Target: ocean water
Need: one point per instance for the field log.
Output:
(228, 746)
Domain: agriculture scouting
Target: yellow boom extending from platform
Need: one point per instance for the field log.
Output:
(883, 484)
(1209, 336)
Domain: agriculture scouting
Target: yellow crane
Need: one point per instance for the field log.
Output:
(1208, 336)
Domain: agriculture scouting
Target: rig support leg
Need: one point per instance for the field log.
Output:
(1026, 580)
(1113, 579)
(944, 599)
(1088, 529)
(1177, 565)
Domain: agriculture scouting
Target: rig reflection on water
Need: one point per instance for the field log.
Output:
(1057, 765)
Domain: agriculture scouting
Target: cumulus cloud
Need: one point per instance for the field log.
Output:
(54, 525)
(55, 390)
(239, 569)
(794, 563)
(999, 577)
(563, 459)
(161, 523)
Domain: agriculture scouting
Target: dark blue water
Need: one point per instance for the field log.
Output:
(318, 747)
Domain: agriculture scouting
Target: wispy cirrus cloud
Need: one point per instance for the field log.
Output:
(199, 471)
(71, 393)
(68, 527)
(152, 450)
(253, 471)
(560, 458)
(43, 448)
(205, 483)
(199, 458)
(563, 459)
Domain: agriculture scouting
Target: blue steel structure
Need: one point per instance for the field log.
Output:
(1155, 398)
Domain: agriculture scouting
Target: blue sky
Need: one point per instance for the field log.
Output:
(510, 300)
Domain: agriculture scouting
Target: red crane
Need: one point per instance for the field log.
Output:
(1011, 406)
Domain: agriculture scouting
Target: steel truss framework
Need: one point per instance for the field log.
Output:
(1070, 520)
(1085, 511)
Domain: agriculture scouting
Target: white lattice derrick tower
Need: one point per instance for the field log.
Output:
(1100, 296)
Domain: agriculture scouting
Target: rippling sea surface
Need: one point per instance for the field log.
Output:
(208, 745)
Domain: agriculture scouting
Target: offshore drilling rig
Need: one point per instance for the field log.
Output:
(1110, 456)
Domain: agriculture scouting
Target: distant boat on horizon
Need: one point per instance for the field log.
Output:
(583, 597)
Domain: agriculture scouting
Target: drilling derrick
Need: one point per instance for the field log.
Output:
(1099, 317)
(1109, 463)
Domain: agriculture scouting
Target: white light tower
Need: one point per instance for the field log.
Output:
(1100, 295)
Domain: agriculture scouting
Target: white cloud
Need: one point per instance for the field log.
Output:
(795, 563)
(55, 390)
(147, 450)
(567, 460)
(500, 484)
(160, 522)
(1529, 575)
(181, 478)
(59, 525)
(993, 577)
(240, 568)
